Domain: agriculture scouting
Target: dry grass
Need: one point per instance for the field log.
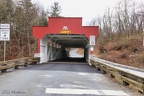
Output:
(80, 51)
(127, 51)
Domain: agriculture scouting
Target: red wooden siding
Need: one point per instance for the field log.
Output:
(55, 25)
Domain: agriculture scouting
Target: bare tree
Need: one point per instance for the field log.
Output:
(107, 29)
(122, 18)
(98, 22)
(140, 18)
(21, 15)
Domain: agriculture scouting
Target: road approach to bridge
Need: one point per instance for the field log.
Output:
(60, 79)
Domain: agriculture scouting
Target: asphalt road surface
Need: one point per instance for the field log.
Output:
(74, 53)
(60, 79)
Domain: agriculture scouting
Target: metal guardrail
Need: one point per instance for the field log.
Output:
(126, 75)
(4, 65)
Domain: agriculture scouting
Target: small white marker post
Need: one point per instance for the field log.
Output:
(92, 44)
(4, 35)
(4, 49)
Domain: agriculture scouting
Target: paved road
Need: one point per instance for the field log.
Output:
(74, 53)
(59, 79)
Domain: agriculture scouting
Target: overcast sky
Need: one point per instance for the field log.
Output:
(88, 9)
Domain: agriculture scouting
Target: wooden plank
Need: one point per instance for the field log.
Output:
(125, 78)
(2, 67)
(10, 64)
(133, 84)
(15, 63)
(116, 76)
(22, 62)
(133, 77)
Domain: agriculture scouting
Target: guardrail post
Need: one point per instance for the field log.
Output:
(103, 71)
(122, 76)
(17, 67)
(26, 63)
(4, 70)
(18, 62)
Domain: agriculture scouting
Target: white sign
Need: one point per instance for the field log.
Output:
(4, 34)
(5, 26)
(65, 28)
(92, 48)
(92, 40)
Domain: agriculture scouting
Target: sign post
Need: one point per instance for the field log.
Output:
(92, 40)
(4, 49)
(4, 35)
(92, 44)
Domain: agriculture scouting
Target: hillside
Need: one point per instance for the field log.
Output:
(127, 51)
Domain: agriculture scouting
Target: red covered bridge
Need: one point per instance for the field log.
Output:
(61, 34)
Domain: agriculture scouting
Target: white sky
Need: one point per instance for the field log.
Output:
(88, 9)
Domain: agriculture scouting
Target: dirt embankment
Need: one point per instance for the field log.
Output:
(127, 51)
(80, 51)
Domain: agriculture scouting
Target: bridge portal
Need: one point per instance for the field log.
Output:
(61, 34)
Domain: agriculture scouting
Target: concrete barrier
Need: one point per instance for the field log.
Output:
(4, 65)
(126, 75)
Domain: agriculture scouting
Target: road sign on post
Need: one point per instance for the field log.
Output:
(4, 32)
(4, 35)
(5, 26)
(92, 40)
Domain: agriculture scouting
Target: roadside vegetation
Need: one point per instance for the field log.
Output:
(127, 51)
(121, 30)
(121, 33)
(22, 15)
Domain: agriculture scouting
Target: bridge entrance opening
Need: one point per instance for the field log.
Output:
(64, 47)
(63, 33)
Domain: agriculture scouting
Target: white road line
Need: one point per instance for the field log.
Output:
(84, 91)
(113, 93)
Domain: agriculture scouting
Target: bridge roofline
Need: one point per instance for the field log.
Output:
(56, 24)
